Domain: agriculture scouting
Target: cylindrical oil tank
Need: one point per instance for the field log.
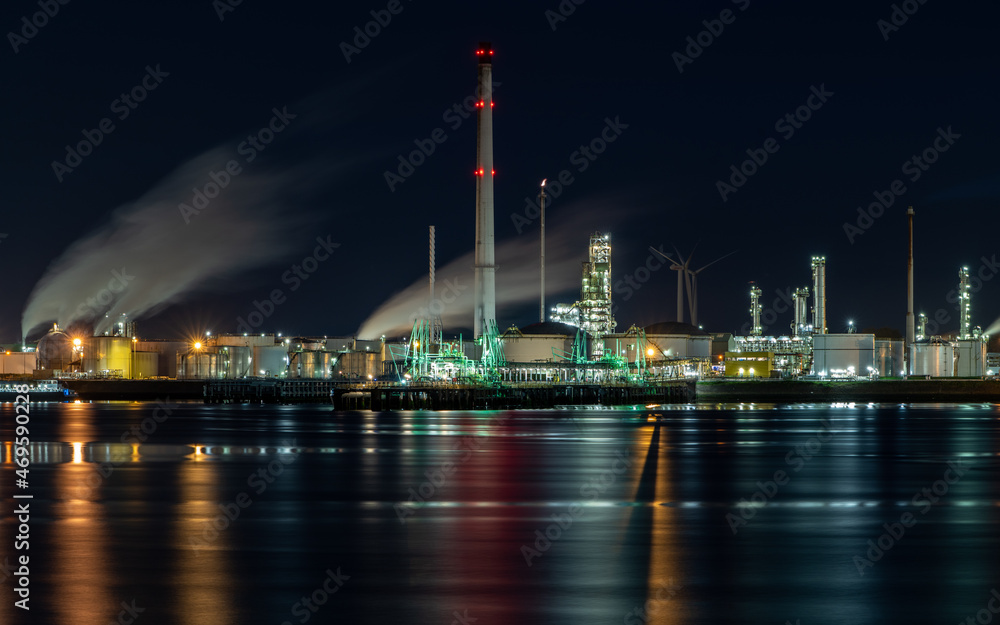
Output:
(971, 358)
(270, 361)
(55, 351)
(889, 357)
(145, 365)
(313, 365)
(235, 361)
(108, 355)
(197, 365)
(933, 358)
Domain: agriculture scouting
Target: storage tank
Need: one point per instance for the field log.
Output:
(357, 366)
(838, 354)
(145, 365)
(313, 365)
(536, 342)
(270, 361)
(55, 351)
(934, 357)
(18, 363)
(197, 365)
(970, 358)
(108, 356)
(235, 362)
(889, 357)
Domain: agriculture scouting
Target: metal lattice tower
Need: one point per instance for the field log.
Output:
(592, 312)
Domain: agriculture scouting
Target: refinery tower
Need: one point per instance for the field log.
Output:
(486, 299)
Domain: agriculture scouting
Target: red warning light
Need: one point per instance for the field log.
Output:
(492, 104)
(493, 172)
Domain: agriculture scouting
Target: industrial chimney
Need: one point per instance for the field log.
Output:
(819, 294)
(486, 305)
(909, 291)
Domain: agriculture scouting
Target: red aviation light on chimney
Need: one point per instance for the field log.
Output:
(493, 172)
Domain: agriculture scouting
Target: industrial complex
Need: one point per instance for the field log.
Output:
(576, 347)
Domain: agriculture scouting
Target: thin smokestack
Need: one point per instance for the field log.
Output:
(909, 286)
(485, 287)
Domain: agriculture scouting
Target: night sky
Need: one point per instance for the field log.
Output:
(888, 93)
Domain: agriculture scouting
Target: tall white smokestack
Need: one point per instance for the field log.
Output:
(819, 294)
(486, 303)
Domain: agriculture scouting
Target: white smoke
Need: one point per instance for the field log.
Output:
(517, 277)
(147, 256)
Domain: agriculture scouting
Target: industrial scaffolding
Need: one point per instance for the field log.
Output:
(592, 312)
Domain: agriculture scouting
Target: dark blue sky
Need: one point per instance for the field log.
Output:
(656, 185)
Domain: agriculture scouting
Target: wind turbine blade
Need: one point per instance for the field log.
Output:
(659, 253)
(717, 260)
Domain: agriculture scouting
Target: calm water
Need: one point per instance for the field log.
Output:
(644, 520)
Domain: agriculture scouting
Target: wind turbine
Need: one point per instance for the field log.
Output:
(692, 277)
(676, 266)
(687, 277)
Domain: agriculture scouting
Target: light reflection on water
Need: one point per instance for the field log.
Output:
(159, 521)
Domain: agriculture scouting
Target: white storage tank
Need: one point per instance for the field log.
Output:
(934, 357)
(970, 358)
(843, 354)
